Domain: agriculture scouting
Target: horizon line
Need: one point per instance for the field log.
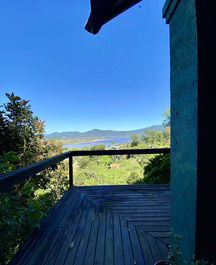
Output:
(104, 130)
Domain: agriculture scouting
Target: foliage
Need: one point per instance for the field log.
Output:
(98, 147)
(20, 132)
(157, 171)
(167, 118)
(9, 161)
(106, 170)
(134, 140)
(128, 169)
(22, 143)
(175, 255)
(152, 138)
(20, 214)
(23, 208)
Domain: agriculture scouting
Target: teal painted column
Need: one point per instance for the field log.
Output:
(193, 101)
(184, 103)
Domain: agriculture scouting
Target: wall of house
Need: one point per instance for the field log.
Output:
(184, 120)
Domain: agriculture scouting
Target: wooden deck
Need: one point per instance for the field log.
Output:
(103, 225)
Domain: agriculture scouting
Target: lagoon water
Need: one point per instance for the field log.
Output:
(106, 142)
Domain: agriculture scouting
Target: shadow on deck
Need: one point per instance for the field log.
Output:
(103, 225)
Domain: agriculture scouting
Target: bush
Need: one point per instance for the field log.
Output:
(157, 171)
(22, 143)
(20, 214)
(22, 209)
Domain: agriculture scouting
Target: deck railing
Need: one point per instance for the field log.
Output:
(9, 180)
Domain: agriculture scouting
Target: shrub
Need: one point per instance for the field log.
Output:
(22, 143)
(157, 171)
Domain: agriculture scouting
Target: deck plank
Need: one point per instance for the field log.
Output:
(100, 246)
(91, 246)
(42, 242)
(126, 242)
(81, 252)
(146, 248)
(103, 225)
(154, 247)
(72, 251)
(109, 242)
(118, 248)
(138, 255)
(29, 245)
(67, 225)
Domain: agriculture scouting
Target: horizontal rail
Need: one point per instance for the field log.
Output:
(8, 180)
(121, 152)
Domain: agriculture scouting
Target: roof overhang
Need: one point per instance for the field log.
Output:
(103, 11)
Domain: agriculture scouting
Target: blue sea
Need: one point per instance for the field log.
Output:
(106, 142)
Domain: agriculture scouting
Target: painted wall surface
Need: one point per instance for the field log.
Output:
(184, 102)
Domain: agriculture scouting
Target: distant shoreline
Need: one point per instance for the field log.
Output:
(106, 142)
(92, 141)
(78, 141)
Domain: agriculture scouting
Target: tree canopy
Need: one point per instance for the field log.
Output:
(20, 132)
(167, 118)
(22, 143)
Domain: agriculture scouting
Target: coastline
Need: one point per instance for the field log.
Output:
(78, 141)
(106, 142)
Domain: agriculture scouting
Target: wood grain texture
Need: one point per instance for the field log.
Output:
(103, 225)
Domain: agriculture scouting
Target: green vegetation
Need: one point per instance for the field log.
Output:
(167, 116)
(22, 143)
(175, 255)
(127, 169)
(157, 171)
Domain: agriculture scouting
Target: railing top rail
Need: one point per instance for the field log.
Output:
(121, 152)
(8, 180)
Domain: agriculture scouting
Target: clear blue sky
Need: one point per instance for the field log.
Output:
(118, 79)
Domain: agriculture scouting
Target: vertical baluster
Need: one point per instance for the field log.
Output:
(70, 171)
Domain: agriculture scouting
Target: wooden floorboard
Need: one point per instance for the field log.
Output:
(126, 243)
(109, 240)
(103, 225)
(62, 243)
(92, 242)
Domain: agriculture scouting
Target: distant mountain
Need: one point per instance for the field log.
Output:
(98, 134)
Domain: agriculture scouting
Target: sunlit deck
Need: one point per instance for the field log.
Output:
(103, 225)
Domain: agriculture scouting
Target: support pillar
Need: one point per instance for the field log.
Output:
(193, 101)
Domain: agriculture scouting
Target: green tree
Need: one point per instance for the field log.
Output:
(134, 140)
(157, 171)
(20, 131)
(153, 138)
(22, 143)
(98, 147)
(167, 118)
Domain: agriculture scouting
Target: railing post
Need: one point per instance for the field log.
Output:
(70, 171)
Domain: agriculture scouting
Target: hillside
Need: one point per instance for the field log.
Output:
(100, 134)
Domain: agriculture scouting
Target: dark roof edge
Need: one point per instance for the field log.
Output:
(169, 9)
